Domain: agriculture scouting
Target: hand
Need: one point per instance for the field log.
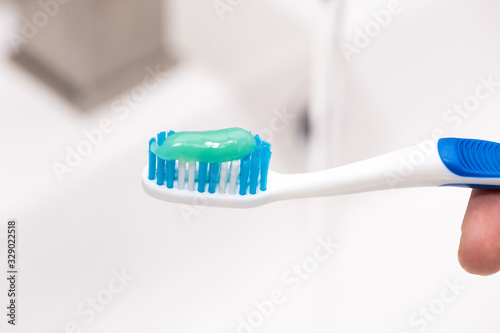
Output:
(479, 251)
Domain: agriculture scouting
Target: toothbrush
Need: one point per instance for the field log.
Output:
(233, 170)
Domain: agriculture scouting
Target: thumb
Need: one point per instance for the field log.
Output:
(479, 251)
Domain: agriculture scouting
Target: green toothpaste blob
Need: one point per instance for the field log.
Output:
(210, 146)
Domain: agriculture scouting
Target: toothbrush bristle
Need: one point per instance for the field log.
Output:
(248, 175)
(255, 166)
(244, 173)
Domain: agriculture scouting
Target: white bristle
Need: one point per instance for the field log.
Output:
(191, 175)
(181, 175)
(235, 171)
(223, 177)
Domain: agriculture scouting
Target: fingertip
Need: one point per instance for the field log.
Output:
(477, 259)
(479, 251)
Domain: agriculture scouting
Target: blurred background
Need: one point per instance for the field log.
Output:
(84, 84)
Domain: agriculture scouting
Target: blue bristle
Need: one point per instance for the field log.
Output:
(255, 166)
(162, 136)
(170, 169)
(202, 176)
(264, 164)
(152, 162)
(160, 177)
(214, 177)
(244, 172)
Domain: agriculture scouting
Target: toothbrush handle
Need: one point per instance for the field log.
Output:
(446, 162)
(471, 160)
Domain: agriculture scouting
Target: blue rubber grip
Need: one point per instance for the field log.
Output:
(470, 158)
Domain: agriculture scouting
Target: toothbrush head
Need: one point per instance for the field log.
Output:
(225, 168)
